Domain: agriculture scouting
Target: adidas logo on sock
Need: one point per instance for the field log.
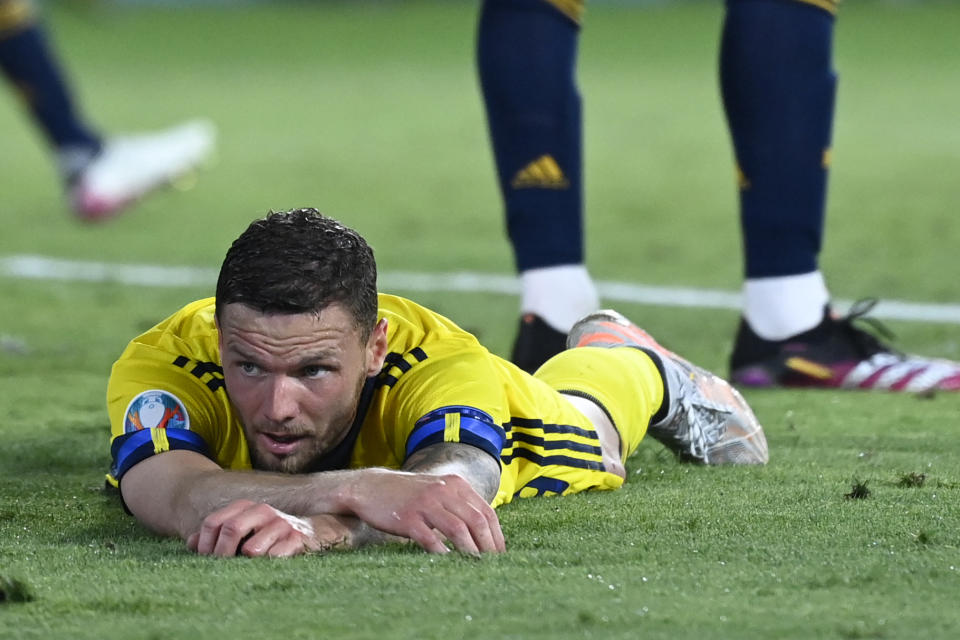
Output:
(542, 173)
(743, 183)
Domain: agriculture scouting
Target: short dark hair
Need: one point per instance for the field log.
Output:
(300, 261)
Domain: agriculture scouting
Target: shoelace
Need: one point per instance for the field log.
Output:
(867, 342)
(707, 424)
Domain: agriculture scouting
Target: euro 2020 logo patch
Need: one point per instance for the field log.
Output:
(155, 409)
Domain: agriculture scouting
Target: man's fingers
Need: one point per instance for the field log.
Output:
(209, 533)
(472, 526)
(266, 537)
(480, 518)
(232, 533)
(466, 525)
(483, 523)
(192, 540)
(493, 525)
(290, 545)
(242, 532)
(454, 528)
(425, 536)
(486, 534)
(244, 526)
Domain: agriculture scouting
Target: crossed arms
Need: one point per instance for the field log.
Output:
(443, 493)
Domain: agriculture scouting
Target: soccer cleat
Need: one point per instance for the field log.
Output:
(707, 420)
(838, 354)
(536, 343)
(129, 167)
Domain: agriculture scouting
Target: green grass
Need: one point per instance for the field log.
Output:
(371, 113)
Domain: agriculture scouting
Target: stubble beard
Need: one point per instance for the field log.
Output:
(312, 452)
(296, 463)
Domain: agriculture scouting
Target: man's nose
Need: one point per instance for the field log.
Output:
(282, 405)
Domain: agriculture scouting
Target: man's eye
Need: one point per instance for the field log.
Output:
(249, 368)
(313, 371)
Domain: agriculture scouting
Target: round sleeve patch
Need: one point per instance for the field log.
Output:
(155, 409)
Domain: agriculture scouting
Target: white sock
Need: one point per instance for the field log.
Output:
(560, 295)
(780, 307)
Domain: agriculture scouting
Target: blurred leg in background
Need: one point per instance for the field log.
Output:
(778, 88)
(526, 58)
(101, 175)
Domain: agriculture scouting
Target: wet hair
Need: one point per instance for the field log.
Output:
(300, 261)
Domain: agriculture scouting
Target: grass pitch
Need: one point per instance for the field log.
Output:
(371, 113)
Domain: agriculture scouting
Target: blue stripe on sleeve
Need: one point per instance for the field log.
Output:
(477, 428)
(549, 445)
(544, 461)
(131, 448)
(424, 431)
(545, 485)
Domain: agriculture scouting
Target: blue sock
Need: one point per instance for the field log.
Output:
(778, 91)
(29, 64)
(526, 57)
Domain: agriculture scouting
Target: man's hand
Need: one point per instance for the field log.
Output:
(257, 529)
(427, 509)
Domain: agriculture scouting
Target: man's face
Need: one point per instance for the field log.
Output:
(295, 380)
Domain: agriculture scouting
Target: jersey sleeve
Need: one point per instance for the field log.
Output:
(160, 401)
(452, 399)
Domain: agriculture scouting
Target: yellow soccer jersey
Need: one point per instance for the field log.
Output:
(438, 384)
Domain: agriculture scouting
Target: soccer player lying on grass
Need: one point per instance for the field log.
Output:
(300, 411)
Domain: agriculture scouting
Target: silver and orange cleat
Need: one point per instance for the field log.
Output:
(707, 420)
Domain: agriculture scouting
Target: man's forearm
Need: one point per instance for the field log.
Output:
(172, 493)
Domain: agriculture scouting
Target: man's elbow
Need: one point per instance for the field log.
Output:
(163, 492)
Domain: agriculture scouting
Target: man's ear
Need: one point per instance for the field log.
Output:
(216, 324)
(377, 348)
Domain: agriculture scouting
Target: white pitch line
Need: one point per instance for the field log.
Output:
(32, 267)
(37, 267)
